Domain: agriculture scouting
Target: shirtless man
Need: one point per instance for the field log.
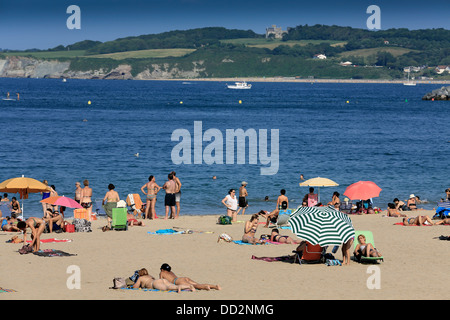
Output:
(37, 227)
(85, 199)
(152, 190)
(169, 200)
(52, 217)
(77, 192)
(282, 198)
(177, 193)
(243, 194)
(146, 281)
(168, 275)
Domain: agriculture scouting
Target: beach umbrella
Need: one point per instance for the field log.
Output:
(321, 225)
(318, 182)
(62, 201)
(362, 190)
(23, 186)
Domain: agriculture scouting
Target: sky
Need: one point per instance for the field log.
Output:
(26, 24)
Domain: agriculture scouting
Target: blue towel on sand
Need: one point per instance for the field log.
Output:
(241, 242)
(165, 231)
(149, 289)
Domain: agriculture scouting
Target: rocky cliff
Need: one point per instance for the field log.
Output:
(26, 67)
(438, 94)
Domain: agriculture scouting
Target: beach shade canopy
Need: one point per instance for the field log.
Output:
(362, 190)
(321, 225)
(318, 182)
(23, 186)
(62, 201)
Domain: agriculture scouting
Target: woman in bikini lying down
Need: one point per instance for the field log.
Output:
(276, 237)
(166, 273)
(146, 281)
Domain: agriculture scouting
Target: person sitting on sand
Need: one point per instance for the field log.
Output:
(365, 249)
(250, 230)
(146, 281)
(335, 201)
(418, 221)
(166, 273)
(400, 205)
(270, 216)
(54, 220)
(393, 211)
(15, 206)
(411, 203)
(37, 227)
(277, 237)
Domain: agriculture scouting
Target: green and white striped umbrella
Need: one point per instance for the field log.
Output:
(321, 225)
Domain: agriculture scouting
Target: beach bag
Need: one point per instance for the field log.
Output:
(119, 283)
(224, 220)
(225, 237)
(69, 228)
(82, 225)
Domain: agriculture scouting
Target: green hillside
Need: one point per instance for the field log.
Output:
(243, 53)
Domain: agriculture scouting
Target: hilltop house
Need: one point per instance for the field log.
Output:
(442, 69)
(320, 56)
(277, 32)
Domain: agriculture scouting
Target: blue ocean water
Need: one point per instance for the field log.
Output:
(346, 132)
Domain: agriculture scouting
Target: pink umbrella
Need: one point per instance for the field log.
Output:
(362, 190)
(67, 202)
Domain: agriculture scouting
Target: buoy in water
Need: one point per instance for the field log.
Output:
(89, 102)
(240, 101)
(348, 101)
(181, 102)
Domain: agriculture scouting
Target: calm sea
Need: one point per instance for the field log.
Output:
(346, 132)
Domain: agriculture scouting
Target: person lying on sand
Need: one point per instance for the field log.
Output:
(417, 221)
(146, 281)
(277, 237)
(168, 275)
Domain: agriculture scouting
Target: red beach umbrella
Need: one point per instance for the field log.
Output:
(362, 190)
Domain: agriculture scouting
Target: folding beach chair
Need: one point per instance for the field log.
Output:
(311, 254)
(98, 207)
(369, 239)
(119, 219)
(283, 217)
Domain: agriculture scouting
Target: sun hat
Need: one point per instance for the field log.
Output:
(412, 196)
(244, 183)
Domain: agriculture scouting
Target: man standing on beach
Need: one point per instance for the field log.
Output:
(169, 201)
(177, 192)
(243, 203)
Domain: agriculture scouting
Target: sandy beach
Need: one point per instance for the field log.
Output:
(415, 265)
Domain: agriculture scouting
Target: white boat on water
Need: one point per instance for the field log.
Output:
(239, 85)
(409, 82)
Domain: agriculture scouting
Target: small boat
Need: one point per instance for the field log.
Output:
(239, 85)
(409, 82)
(64, 80)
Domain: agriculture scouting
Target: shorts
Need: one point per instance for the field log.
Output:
(178, 196)
(86, 204)
(169, 200)
(243, 203)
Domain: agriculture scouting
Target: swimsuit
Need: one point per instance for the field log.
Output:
(86, 204)
(175, 280)
(242, 202)
(169, 200)
(151, 196)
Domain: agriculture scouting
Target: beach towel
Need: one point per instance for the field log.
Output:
(52, 253)
(6, 290)
(240, 242)
(272, 259)
(52, 240)
(165, 231)
(157, 290)
(414, 225)
(135, 202)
